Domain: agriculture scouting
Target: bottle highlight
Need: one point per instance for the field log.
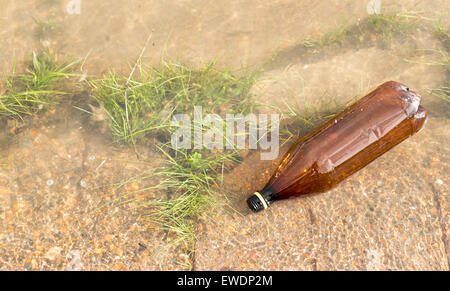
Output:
(344, 144)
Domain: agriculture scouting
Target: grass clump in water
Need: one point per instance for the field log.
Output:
(146, 103)
(382, 27)
(386, 27)
(189, 178)
(143, 105)
(35, 89)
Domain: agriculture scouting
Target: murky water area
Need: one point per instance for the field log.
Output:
(62, 202)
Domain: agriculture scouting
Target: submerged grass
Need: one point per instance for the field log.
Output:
(386, 26)
(376, 30)
(444, 36)
(442, 93)
(439, 58)
(147, 102)
(381, 27)
(35, 89)
(144, 105)
(189, 178)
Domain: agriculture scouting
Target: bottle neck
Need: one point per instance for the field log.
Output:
(261, 200)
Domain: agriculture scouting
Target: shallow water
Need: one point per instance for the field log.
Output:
(394, 214)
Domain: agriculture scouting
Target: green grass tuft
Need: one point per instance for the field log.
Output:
(387, 26)
(146, 103)
(384, 27)
(189, 178)
(143, 105)
(35, 89)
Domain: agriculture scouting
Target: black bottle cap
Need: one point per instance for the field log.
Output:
(257, 202)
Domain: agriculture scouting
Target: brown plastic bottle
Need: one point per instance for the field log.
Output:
(344, 144)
